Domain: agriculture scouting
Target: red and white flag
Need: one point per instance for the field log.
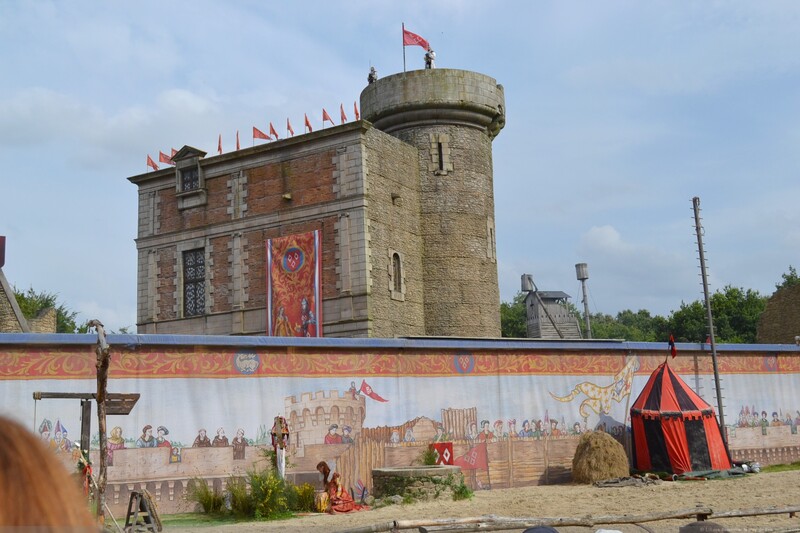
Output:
(237, 139)
(274, 133)
(326, 116)
(341, 113)
(412, 39)
(672, 349)
(219, 144)
(164, 158)
(151, 163)
(366, 389)
(258, 134)
(308, 124)
(355, 110)
(289, 128)
(476, 458)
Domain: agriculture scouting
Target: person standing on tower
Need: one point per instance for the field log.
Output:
(430, 58)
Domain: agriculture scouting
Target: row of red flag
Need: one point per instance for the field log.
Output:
(258, 134)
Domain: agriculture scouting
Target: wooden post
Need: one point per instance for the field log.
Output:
(102, 382)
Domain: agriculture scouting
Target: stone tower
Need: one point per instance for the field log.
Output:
(451, 117)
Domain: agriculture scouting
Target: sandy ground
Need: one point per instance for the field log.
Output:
(753, 491)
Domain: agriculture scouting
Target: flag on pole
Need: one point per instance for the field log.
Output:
(237, 139)
(289, 128)
(412, 39)
(275, 133)
(366, 389)
(672, 349)
(164, 158)
(308, 124)
(341, 113)
(326, 116)
(258, 134)
(151, 163)
(219, 144)
(355, 110)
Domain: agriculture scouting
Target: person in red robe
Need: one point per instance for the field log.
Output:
(339, 500)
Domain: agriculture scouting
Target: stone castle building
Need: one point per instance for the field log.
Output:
(403, 200)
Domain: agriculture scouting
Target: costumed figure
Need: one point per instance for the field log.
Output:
(239, 443)
(202, 440)
(339, 500)
(115, 442)
(220, 441)
(44, 433)
(282, 326)
(280, 440)
(146, 440)
(373, 75)
(430, 58)
(307, 318)
(161, 441)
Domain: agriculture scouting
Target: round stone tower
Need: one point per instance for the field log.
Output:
(451, 117)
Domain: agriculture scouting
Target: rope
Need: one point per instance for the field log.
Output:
(35, 403)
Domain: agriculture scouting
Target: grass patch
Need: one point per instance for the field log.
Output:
(195, 519)
(781, 468)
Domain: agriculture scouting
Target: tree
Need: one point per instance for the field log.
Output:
(790, 279)
(630, 325)
(513, 319)
(31, 303)
(735, 311)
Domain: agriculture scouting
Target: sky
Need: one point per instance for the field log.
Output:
(618, 114)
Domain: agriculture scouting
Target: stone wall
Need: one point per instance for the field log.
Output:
(780, 321)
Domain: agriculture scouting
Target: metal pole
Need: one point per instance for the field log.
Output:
(699, 230)
(403, 40)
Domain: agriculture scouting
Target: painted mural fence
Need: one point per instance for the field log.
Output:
(513, 411)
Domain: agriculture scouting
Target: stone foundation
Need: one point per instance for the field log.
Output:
(417, 482)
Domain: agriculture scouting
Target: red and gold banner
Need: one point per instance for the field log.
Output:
(294, 292)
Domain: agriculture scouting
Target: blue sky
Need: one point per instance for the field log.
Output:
(618, 113)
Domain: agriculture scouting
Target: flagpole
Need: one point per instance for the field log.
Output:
(404, 47)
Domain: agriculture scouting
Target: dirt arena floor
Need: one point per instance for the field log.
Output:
(753, 491)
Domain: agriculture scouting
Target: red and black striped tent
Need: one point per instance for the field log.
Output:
(674, 429)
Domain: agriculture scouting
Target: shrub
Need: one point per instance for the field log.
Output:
(268, 493)
(242, 505)
(211, 500)
(302, 499)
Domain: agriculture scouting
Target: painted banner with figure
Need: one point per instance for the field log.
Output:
(294, 292)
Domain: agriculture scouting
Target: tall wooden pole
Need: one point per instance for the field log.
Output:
(699, 230)
(102, 382)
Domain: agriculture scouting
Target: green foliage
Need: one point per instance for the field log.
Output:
(512, 317)
(301, 498)
(790, 279)
(629, 325)
(462, 492)
(211, 500)
(268, 492)
(242, 505)
(31, 303)
(735, 311)
(427, 457)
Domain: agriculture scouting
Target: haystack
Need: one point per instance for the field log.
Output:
(598, 457)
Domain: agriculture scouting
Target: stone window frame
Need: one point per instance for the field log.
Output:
(193, 197)
(491, 240)
(440, 163)
(397, 277)
(187, 246)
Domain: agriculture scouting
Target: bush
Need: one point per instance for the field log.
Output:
(211, 500)
(268, 493)
(242, 505)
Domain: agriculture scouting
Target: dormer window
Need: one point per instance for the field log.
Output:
(189, 180)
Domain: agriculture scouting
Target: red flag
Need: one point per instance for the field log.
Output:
(275, 133)
(341, 112)
(289, 127)
(308, 124)
(476, 458)
(219, 144)
(258, 134)
(672, 349)
(237, 139)
(174, 151)
(366, 389)
(326, 116)
(355, 109)
(151, 163)
(412, 39)
(164, 158)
